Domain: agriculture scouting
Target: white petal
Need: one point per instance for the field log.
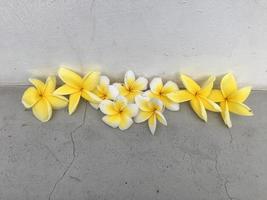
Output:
(94, 105)
(113, 92)
(157, 103)
(129, 77)
(161, 118)
(142, 102)
(125, 123)
(112, 120)
(107, 107)
(104, 80)
(156, 85)
(152, 123)
(141, 83)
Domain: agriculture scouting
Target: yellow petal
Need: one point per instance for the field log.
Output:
(156, 85)
(57, 102)
(42, 110)
(123, 91)
(156, 104)
(142, 116)
(240, 95)
(216, 96)
(140, 84)
(169, 87)
(131, 95)
(180, 96)
(225, 114)
(112, 120)
(190, 84)
(120, 103)
(40, 86)
(239, 109)
(91, 80)
(142, 103)
(129, 78)
(199, 108)
(107, 107)
(30, 97)
(50, 85)
(161, 118)
(228, 85)
(207, 87)
(152, 124)
(65, 90)
(210, 105)
(91, 97)
(74, 101)
(70, 78)
(125, 122)
(130, 110)
(104, 80)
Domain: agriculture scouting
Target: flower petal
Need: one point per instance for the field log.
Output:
(91, 97)
(216, 96)
(190, 84)
(240, 95)
(141, 83)
(156, 85)
(70, 78)
(228, 84)
(42, 110)
(30, 97)
(107, 107)
(104, 80)
(39, 85)
(95, 105)
(57, 102)
(65, 90)
(50, 85)
(120, 103)
(142, 102)
(156, 104)
(142, 116)
(199, 108)
(152, 124)
(131, 95)
(210, 105)
(207, 87)
(131, 110)
(112, 120)
(239, 109)
(74, 101)
(125, 122)
(91, 80)
(180, 96)
(112, 92)
(161, 118)
(169, 87)
(225, 114)
(129, 78)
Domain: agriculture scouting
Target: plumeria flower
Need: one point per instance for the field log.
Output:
(41, 99)
(105, 91)
(151, 110)
(160, 91)
(131, 87)
(118, 113)
(231, 99)
(198, 96)
(78, 87)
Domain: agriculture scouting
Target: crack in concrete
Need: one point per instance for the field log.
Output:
(73, 154)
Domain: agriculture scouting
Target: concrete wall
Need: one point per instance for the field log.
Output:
(152, 37)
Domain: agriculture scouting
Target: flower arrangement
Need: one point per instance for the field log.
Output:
(131, 101)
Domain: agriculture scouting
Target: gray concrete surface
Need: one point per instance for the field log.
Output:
(78, 157)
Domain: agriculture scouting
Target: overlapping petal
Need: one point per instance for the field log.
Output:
(70, 78)
(30, 97)
(42, 110)
(190, 84)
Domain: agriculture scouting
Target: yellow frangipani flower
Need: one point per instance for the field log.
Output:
(131, 87)
(151, 110)
(78, 87)
(160, 91)
(198, 96)
(105, 91)
(231, 99)
(118, 113)
(41, 99)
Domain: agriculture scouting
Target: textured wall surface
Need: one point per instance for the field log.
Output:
(78, 157)
(152, 37)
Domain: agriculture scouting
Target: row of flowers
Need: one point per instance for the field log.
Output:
(132, 101)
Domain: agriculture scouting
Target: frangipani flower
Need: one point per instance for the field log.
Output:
(231, 99)
(131, 87)
(118, 113)
(198, 96)
(41, 98)
(105, 91)
(78, 87)
(160, 91)
(151, 110)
